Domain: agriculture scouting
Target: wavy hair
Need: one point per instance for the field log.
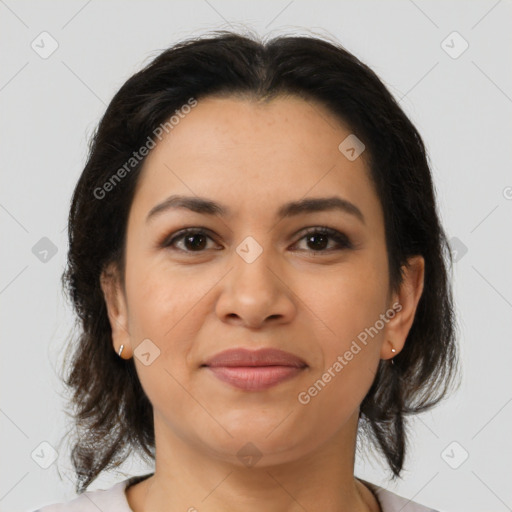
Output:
(112, 414)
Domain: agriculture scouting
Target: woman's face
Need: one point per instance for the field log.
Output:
(255, 279)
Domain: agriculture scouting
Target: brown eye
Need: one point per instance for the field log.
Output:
(318, 239)
(192, 240)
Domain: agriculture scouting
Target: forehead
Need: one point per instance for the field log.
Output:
(251, 154)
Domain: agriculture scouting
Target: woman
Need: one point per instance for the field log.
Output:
(259, 270)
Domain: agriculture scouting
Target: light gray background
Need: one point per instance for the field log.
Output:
(461, 106)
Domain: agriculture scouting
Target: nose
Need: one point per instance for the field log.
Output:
(255, 294)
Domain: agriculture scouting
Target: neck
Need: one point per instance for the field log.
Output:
(187, 478)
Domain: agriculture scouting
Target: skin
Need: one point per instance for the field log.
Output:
(253, 157)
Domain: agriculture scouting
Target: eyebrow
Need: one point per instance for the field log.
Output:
(209, 207)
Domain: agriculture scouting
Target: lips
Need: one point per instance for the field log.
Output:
(261, 357)
(255, 370)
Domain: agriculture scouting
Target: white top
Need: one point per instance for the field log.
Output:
(114, 500)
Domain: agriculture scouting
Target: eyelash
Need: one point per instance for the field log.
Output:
(341, 239)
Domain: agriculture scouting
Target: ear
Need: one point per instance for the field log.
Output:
(116, 308)
(404, 303)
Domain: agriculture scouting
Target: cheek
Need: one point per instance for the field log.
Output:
(349, 337)
(163, 309)
(161, 298)
(349, 298)
(153, 306)
(170, 308)
(347, 306)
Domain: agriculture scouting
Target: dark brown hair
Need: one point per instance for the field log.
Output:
(112, 414)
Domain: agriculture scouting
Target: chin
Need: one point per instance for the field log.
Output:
(264, 446)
